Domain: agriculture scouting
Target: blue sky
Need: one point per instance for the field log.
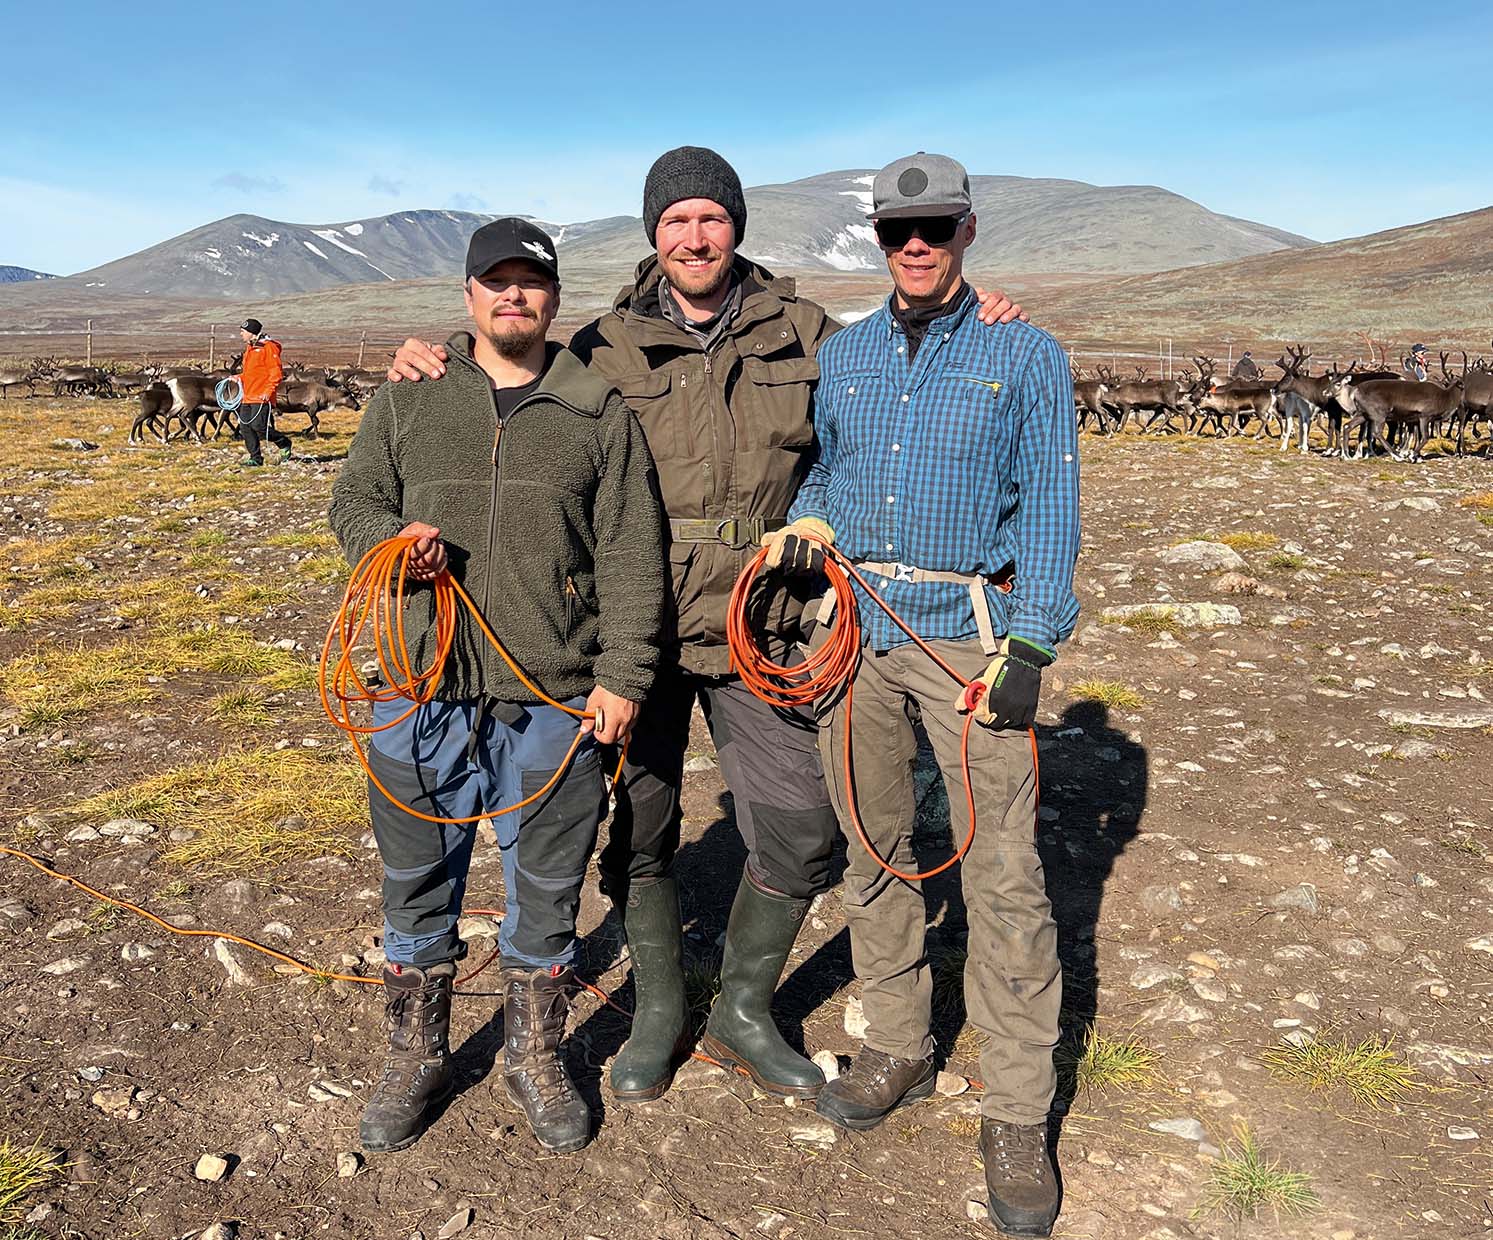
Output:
(129, 123)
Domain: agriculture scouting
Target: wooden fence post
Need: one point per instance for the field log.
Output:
(90, 343)
(362, 342)
(212, 346)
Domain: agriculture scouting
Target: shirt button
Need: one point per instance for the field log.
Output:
(891, 499)
(900, 349)
(905, 398)
(896, 447)
(849, 391)
(946, 335)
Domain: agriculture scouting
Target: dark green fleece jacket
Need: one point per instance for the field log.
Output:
(552, 523)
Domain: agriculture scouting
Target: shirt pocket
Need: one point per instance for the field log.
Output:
(972, 416)
(782, 393)
(864, 410)
(647, 395)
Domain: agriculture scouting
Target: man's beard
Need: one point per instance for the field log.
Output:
(514, 343)
(698, 284)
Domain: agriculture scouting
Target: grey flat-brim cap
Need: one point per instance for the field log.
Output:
(920, 184)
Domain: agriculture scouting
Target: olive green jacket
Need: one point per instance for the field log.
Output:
(731, 431)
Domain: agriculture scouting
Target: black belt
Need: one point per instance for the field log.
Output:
(738, 533)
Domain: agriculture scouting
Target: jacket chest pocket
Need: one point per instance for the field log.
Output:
(865, 408)
(664, 421)
(773, 401)
(970, 424)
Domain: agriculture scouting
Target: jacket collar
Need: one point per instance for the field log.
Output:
(567, 380)
(959, 309)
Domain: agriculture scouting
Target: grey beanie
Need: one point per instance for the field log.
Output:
(692, 172)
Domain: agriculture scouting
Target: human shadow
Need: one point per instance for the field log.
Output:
(1097, 782)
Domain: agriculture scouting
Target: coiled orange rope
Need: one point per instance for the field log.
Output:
(830, 670)
(374, 600)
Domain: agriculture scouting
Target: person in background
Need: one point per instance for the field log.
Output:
(1245, 367)
(260, 375)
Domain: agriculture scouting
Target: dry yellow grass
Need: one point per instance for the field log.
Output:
(249, 807)
(1109, 692)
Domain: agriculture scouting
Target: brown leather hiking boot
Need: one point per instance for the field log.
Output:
(1020, 1176)
(417, 1070)
(876, 1085)
(535, 1004)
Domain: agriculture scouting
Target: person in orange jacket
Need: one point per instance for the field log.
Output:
(260, 376)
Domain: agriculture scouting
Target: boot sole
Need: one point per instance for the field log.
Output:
(435, 1101)
(554, 1147)
(657, 1090)
(1019, 1229)
(729, 1059)
(918, 1093)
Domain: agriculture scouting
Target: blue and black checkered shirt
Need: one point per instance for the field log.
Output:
(964, 461)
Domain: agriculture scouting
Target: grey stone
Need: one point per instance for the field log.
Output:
(237, 895)
(68, 964)
(855, 1018)
(1210, 989)
(816, 1132)
(127, 827)
(1482, 944)
(82, 835)
(67, 928)
(457, 1223)
(1413, 750)
(1349, 946)
(1473, 717)
(1187, 1129)
(136, 951)
(1188, 615)
(238, 975)
(1161, 901)
(1149, 975)
(702, 762)
(1207, 557)
(1302, 896)
(211, 1167)
(348, 1165)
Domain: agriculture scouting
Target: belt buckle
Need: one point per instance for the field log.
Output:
(902, 572)
(728, 531)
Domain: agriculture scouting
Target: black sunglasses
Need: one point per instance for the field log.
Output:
(934, 229)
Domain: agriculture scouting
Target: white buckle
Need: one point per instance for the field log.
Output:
(902, 572)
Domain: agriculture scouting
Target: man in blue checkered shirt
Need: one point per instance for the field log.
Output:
(948, 471)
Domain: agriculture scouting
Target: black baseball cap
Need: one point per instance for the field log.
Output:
(511, 237)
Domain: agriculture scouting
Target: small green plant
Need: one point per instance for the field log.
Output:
(702, 986)
(24, 1169)
(1286, 561)
(1247, 540)
(1109, 692)
(1147, 623)
(241, 708)
(1368, 1069)
(1107, 1063)
(1244, 1182)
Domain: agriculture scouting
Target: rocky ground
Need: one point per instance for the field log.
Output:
(1266, 825)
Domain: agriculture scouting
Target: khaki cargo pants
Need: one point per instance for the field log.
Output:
(1012, 987)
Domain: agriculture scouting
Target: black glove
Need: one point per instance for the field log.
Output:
(1004, 696)
(789, 551)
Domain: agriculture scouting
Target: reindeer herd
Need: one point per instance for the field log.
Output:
(1361, 410)
(182, 400)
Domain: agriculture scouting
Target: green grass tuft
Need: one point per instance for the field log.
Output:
(1108, 1063)
(1368, 1069)
(1109, 692)
(1286, 561)
(1244, 1182)
(1148, 623)
(24, 1169)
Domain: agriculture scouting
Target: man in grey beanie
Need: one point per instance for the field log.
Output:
(717, 356)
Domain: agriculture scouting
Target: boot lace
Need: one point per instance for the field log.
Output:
(1018, 1151)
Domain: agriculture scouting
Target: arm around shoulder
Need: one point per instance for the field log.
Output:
(367, 496)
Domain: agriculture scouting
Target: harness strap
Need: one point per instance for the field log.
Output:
(738, 533)
(1004, 581)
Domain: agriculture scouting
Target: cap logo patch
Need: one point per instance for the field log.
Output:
(536, 248)
(912, 182)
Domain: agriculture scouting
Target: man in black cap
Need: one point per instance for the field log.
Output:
(260, 376)
(717, 357)
(1415, 364)
(527, 477)
(1245, 368)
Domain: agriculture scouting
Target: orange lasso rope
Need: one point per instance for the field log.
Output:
(830, 670)
(374, 600)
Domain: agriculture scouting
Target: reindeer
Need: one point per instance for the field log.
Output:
(77, 380)
(1412, 403)
(313, 399)
(1088, 399)
(1477, 399)
(1239, 401)
(17, 376)
(1303, 396)
(1154, 395)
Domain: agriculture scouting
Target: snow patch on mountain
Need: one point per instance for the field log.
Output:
(332, 235)
(847, 251)
(315, 251)
(355, 230)
(267, 242)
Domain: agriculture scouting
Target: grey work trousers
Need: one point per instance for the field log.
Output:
(1012, 984)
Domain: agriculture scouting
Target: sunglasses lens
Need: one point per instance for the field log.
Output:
(935, 230)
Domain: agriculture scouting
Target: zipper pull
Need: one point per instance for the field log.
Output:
(497, 434)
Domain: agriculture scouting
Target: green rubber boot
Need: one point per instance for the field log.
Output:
(644, 1068)
(741, 1032)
